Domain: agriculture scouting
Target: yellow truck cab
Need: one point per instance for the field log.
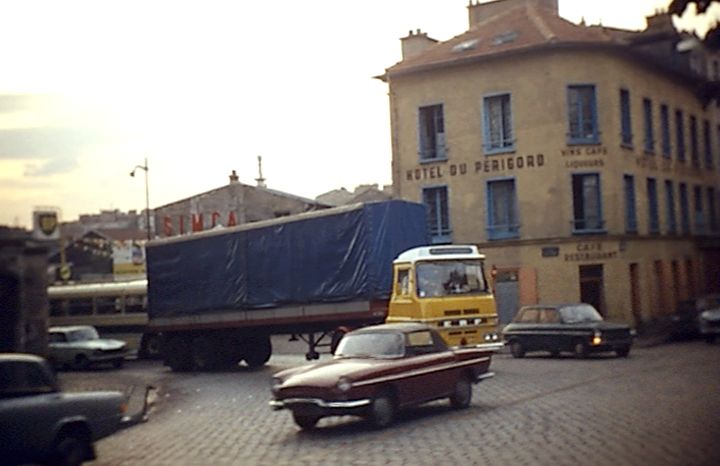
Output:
(445, 286)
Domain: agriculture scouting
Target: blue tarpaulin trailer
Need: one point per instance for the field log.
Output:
(299, 274)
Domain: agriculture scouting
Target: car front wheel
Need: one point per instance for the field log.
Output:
(517, 349)
(580, 349)
(382, 411)
(623, 352)
(305, 422)
(462, 396)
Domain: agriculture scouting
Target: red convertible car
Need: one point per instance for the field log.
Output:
(379, 369)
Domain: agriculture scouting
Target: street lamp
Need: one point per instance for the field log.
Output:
(147, 196)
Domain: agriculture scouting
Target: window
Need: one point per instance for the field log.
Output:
(698, 217)
(498, 124)
(694, 149)
(630, 212)
(502, 219)
(649, 133)
(680, 135)
(587, 213)
(665, 130)
(625, 119)
(684, 210)
(653, 220)
(436, 200)
(582, 114)
(711, 210)
(529, 316)
(707, 141)
(403, 282)
(670, 207)
(432, 133)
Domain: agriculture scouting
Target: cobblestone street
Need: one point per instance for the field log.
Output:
(659, 407)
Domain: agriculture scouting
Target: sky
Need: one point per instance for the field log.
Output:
(90, 89)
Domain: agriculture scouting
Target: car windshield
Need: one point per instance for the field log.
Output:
(83, 334)
(442, 278)
(378, 345)
(580, 313)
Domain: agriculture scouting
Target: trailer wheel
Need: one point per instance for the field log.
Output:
(204, 354)
(150, 346)
(258, 351)
(176, 351)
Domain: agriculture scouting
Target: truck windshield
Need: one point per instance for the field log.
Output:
(443, 278)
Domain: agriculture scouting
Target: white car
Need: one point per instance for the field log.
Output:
(80, 346)
(709, 322)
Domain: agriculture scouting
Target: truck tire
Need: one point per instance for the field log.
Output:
(176, 352)
(205, 354)
(150, 346)
(257, 351)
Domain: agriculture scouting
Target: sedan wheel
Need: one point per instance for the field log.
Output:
(517, 349)
(382, 411)
(463, 394)
(71, 449)
(623, 352)
(581, 349)
(305, 422)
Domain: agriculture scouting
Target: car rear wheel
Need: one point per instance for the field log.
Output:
(382, 411)
(462, 396)
(517, 349)
(72, 449)
(305, 422)
(623, 352)
(580, 349)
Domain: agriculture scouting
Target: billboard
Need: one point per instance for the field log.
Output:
(128, 257)
(46, 224)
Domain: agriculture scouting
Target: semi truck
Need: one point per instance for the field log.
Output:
(216, 297)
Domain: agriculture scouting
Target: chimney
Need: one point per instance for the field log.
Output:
(478, 12)
(415, 43)
(260, 180)
(233, 177)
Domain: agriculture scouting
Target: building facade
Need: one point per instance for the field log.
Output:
(583, 160)
(229, 205)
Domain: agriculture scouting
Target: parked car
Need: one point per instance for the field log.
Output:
(709, 318)
(41, 424)
(378, 370)
(577, 328)
(80, 346)
(685, 322)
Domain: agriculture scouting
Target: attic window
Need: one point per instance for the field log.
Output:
(504, 38)
(466, 45)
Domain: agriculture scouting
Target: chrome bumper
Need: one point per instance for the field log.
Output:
(352, 404)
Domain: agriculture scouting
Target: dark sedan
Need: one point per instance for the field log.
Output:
(41, 424)
(577, 328)
(377, 370)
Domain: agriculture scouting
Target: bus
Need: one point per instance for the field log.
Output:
(115, 309)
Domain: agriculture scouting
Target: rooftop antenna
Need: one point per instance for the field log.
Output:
(260, 180)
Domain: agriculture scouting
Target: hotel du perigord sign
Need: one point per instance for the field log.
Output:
(575, 158)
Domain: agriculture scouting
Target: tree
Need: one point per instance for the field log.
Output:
(677, 7)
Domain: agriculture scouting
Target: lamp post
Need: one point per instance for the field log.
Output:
(147, 196)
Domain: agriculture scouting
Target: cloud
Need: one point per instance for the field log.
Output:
(53, 166)
(11, 103)
(46, 142)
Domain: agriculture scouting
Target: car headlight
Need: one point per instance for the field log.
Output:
(490, 337)
(343, 384)
(597, 337)
(275, 384)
